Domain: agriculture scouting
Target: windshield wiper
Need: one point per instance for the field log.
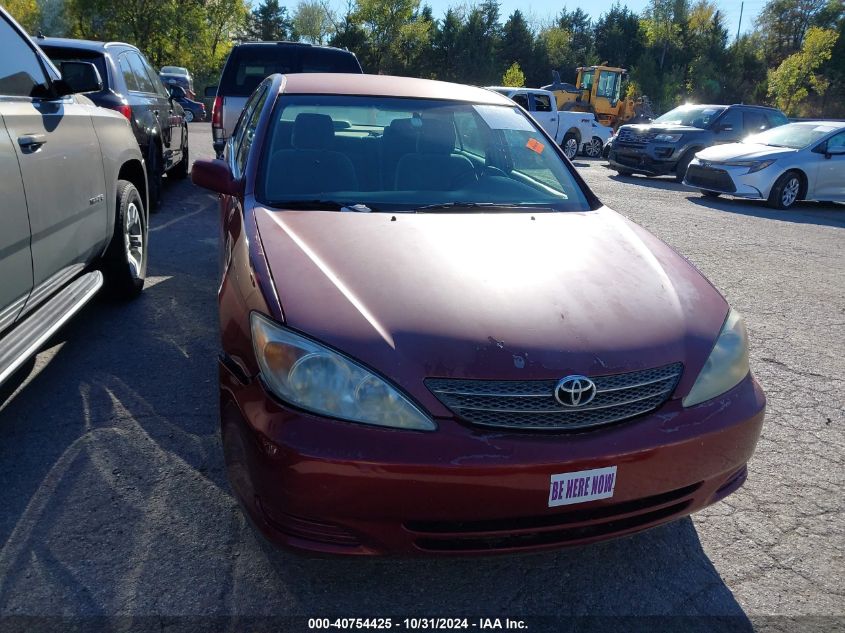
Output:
(484, 206)
(320, 204)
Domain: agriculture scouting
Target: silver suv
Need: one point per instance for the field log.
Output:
(73, 190)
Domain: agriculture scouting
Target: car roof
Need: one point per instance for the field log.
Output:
(90, 45)
(286, 43)
(727, 105)
(387, 86)
(833, 125)
(540, 91)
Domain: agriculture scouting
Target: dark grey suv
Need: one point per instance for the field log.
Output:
(667, 145)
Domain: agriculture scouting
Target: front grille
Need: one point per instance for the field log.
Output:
(634, 137)
(531, 405)
(709, 178)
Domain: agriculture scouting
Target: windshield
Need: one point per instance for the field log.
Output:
(794, 135)
(693, 116)
(394, 154)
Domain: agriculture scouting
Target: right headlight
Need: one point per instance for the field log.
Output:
(313, 377)
(727, 364)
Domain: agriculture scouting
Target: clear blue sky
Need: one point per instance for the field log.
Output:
(542, 10)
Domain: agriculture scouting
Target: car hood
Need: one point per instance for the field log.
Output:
(743, 151)
(490, 296)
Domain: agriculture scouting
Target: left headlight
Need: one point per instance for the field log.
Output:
(318, 379)
(727, 364)
(668, 138)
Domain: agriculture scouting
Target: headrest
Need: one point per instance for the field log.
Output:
(436, 137)
(312, 131)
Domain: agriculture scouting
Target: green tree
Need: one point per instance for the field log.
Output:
(445, 45)
(517, 42)
(581, 35)
(789, 82)
(514, 77)
(269, 22)
(618, 37)
(784, 23)
(25, 12)
(478, 42)
(312, 21)
(382, 21)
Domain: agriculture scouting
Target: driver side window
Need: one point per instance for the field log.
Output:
(836, 142)
(21, 74)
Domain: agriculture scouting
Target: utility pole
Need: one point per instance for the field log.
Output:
(739, 27)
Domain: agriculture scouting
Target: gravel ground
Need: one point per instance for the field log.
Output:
(116, 510)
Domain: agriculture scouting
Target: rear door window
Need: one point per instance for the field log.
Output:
(521, 99)
(542, 103)
(128, 75)
(142, 80)
(732, 119)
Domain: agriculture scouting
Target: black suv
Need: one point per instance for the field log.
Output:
(248, 65)
(133, 88)
(668, 144)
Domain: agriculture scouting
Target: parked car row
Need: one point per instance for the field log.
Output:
(73, 187)
(746, 151)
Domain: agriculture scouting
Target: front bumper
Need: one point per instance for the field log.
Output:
(729, 180)
(654, 159)
(327, 486)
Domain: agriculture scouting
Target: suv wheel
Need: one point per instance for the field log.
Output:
(594, 148)
(189, 116)
(570, 146)
(681, 167)
(125, 262)
(786, 191)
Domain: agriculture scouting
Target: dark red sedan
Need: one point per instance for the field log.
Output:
(437, 340)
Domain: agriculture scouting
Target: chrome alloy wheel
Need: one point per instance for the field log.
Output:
(133, 238)
(790, 191)
(594, 147)
(570, 148)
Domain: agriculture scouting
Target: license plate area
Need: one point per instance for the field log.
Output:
(582, 486)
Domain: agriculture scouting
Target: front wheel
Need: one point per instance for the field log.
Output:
(681, 167)
(786, 191)
(594, 148)
(125, 262)
(189, 116)
(570, 146)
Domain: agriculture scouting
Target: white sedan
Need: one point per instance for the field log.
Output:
(797, 161)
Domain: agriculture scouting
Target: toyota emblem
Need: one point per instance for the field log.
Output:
(575, 391)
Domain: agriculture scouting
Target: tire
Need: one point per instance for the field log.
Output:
(180, 171)
(710, 194)
(154, 177)
(786, 191)
(594, 148)
(681, 167)
(124, 265)
(569, 145)
(189, 116)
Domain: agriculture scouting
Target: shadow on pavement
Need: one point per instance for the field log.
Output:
(802, 213)
(115, 501)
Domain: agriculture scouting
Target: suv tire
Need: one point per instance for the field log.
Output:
(181, 170)
(155, 171)
(681, 167)
(124, 265)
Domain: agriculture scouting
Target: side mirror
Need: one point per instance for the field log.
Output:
(211, 91)
(78, 77)
(216, 176)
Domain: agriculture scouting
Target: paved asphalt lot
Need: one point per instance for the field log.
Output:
(114, 498)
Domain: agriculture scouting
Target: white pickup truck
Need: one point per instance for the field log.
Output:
(573, 131)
